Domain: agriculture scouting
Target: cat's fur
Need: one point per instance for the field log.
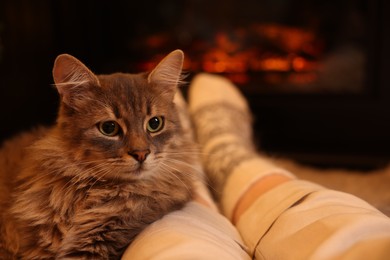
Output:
(76, 192)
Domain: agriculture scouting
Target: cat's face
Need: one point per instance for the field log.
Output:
(119, 125)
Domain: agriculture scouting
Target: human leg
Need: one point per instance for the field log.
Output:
(284, 217)
(223, 127)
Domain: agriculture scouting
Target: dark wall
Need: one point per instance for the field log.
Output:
(32, 34)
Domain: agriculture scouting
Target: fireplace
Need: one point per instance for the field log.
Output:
(315, 72)
(267, 47)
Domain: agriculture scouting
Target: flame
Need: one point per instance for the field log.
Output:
(261, 48)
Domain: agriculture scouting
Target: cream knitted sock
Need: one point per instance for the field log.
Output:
(223, 127)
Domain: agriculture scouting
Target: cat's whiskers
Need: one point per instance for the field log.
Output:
(84, 176)
(83, 173)
(171, 170)
(74, 182)
(89, 174)
(193, 151)
(107, 171)
(106, 165)
(196, 153)
(177, 155)
(80, 177)
(205, 180)
(183, 163)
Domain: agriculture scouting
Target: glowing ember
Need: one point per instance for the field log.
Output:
(261, 49)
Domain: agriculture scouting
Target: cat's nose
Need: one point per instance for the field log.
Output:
(139, 155)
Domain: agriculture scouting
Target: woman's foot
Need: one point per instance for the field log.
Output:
(223, 127)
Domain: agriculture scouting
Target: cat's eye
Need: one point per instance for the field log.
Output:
(109, 128)
(155, 124)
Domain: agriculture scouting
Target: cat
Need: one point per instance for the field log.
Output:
(116, 160)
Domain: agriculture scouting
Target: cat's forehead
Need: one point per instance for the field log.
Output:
(128, 93)
(125, 87)
(122, 81)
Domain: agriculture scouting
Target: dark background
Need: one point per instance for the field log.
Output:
(324, 130)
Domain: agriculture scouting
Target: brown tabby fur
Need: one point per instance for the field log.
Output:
(76, 193)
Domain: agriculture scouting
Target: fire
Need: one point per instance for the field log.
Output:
(261, 48)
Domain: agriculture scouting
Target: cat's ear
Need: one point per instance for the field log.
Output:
(70, 75)
(168, 73)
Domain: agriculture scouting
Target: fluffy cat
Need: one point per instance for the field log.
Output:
(116, 160)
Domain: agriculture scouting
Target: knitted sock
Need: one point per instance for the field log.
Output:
(223, 127)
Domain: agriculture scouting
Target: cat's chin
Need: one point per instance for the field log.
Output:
(137, 171)
(140, 169)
